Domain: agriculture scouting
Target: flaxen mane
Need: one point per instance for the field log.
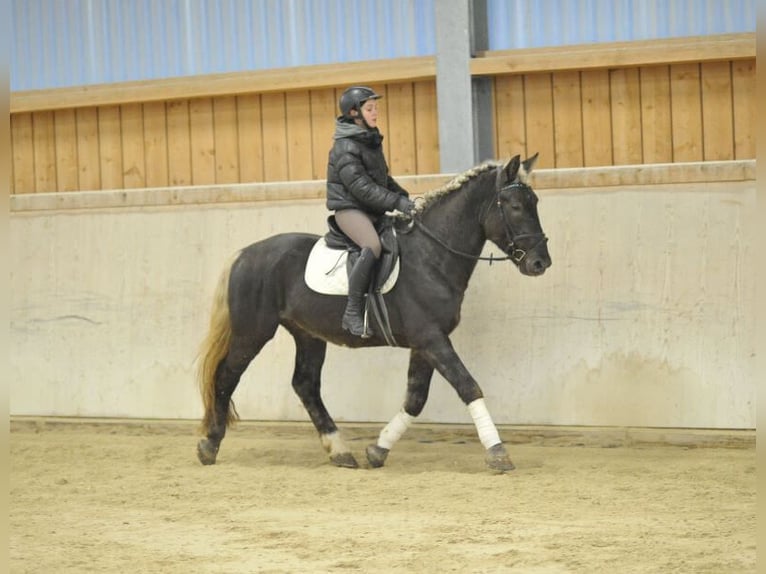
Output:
(454, 184)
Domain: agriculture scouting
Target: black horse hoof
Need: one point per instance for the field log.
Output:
(376, 455)
(497, 459)
(206, 451)
(344, 460)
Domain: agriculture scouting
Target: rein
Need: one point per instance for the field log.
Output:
(516, 254)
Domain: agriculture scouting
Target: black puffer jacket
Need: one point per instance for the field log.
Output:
(357, 172)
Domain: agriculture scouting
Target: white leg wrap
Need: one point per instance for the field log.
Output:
(394, 430)
(488, 434)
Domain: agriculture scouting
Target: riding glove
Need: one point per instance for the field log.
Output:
(405, 205)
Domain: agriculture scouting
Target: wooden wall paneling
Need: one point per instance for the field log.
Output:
(401, 129)
(596, 118)
(156, 141)
(717, 111)
(323, 111)
(226, 139)
(567, 119)
(510, 124)
(133, 147)
(744, 102)
(538, 97)
(250, 138)
(23, 158)
(88, 151)
(202, 141)
(626, 116)
(65, 127)
(44, 137)
(110, 147)
(426, 127)
(686, 109)
(273, 117)
(299, 156)
(657, 133)
(179, 143)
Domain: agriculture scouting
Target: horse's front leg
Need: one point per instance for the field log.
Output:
(418, 383)
(442, 356)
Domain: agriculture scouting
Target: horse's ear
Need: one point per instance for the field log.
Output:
(508, 174)
(526, 168)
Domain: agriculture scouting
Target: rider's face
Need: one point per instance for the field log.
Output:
(370, 112)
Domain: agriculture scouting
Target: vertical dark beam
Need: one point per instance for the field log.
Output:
(466, 134)
(481, 87)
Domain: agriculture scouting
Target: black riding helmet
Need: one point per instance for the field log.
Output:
(353, 98)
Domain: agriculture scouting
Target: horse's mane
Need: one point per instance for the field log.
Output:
(454, 184)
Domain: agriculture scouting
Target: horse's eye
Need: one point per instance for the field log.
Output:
(515, 206)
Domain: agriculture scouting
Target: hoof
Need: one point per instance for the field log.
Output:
(206, 451)
(344, 460)
(376, 455)
(497, 459)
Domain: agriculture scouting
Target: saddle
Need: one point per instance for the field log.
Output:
(335, 252)
(332, 258)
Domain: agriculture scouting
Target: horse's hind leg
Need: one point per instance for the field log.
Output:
(242, 351)
(309, 358)
(418, 384)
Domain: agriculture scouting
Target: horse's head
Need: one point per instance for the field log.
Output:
(512, 222)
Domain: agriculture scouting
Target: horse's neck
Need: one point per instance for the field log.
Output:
(457, 220)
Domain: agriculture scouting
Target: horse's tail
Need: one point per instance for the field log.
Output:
(214, 349)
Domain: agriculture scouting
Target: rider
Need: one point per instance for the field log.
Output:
(360, 190)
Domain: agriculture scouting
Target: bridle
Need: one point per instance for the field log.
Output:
(512, 249)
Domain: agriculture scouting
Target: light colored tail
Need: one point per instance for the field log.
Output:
(214, 349)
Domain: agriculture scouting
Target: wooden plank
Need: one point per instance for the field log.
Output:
(538, 95)
(510, 127)
(202, 141)
(88, 154)
(626, 116)
(686, 109)
(250, 138)
(179, 143)
(233, 83)
(65, 127)
(586, 56)
(23, 153)
(687, 176)
(744, 101)
(299, 158)
(133, 150)
(110, 147)
(657, 134)
(567, 119)
(596, 118)
(44, 136)
(323, 112)
(717, 111)
(616, 55)
(426, 127)
(401, 130)
(274, 121)
(226, 141)
(156, 144)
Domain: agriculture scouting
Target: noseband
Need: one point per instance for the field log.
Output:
(513, 251)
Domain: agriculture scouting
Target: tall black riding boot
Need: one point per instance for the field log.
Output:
(358, 282)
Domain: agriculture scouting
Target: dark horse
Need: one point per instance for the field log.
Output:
(439, 249)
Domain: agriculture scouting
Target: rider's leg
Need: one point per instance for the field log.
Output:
(358, 226)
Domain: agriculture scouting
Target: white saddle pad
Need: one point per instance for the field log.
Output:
(326, 271)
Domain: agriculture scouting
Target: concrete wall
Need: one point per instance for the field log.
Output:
(645, 318)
